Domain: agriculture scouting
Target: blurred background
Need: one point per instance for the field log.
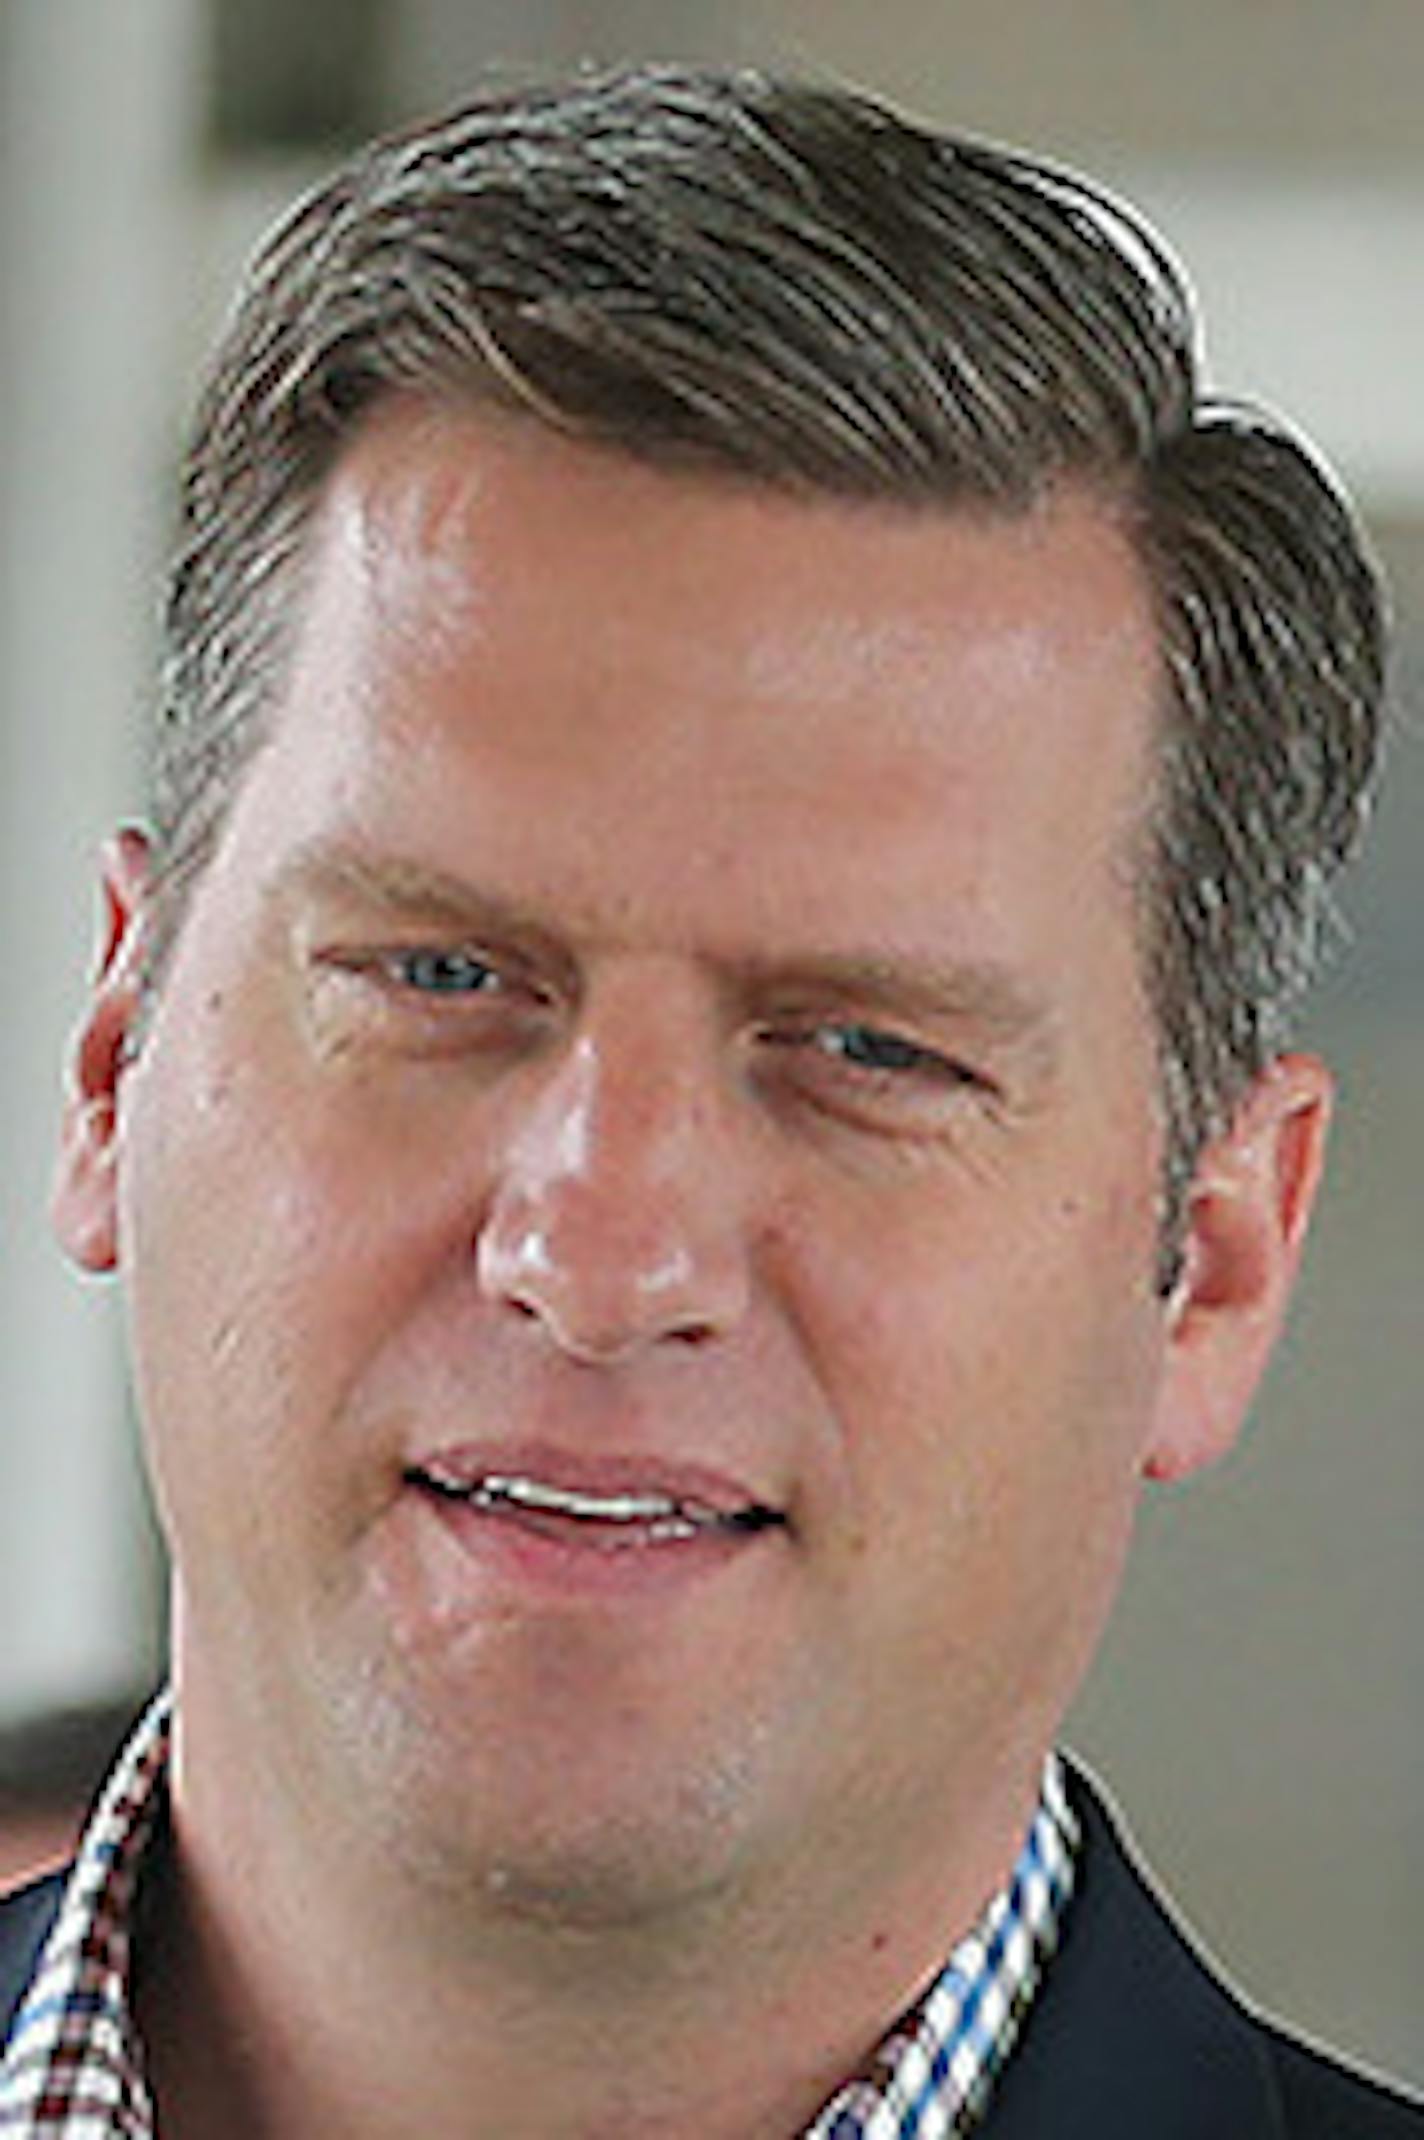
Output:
(1259, 1710)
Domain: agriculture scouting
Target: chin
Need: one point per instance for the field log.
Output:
(590, 1833)
(586, 1870)
(626, 1882)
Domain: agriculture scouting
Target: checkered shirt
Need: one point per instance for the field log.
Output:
(932, 2077)
(74, 2066)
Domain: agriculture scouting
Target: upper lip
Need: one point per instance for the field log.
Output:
(633, 1487)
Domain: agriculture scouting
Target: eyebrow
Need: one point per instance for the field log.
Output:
(979, 992)
(323, 870)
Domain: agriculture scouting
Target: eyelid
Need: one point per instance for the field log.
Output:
(915, 1055)
(388, 965)
(924, 1061)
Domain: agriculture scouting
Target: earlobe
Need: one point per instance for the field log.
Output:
(84, 1206)
(1250, 1204)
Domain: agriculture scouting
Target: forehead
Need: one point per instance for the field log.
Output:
(712, 682)
(431, 501)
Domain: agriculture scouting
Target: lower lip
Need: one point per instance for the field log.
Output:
(574, 1555)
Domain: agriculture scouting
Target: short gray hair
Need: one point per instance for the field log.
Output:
(721, 270)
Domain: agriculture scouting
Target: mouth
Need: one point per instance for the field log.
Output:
(608, 1522)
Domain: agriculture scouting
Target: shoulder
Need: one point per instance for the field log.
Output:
(1312, 2094)
(1134, 2032)
(27, 1916)
(1324, 2100)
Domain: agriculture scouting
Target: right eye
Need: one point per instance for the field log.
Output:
(440, 972)
(431, 995)
(428, 976)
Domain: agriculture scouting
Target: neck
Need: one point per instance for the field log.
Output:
(359, 2030)
(284, 1997)
(378, 2050)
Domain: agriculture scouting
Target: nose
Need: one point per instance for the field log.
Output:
(616, 1221)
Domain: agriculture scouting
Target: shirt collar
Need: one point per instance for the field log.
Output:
(933, 2075)
(73, 2065)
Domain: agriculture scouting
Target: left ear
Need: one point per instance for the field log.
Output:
(1248, 1209)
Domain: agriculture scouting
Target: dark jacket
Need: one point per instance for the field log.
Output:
(1131, 2038)
(25, 1920)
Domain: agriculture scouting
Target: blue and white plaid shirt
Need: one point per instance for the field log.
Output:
(73, 2069)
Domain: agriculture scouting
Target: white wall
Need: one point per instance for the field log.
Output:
(95, 116)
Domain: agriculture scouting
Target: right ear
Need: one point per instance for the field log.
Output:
(84, 1201)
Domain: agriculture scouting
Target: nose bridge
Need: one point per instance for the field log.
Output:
(615, 1219)
(620, 1123)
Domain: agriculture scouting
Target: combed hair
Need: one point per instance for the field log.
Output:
(792, 284)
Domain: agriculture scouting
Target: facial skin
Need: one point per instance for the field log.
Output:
(664, 1019)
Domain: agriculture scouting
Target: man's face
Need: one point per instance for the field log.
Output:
(638, 1197)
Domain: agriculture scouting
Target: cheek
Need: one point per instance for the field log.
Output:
(255, 1276)
(300, 1241)
(993, 1382)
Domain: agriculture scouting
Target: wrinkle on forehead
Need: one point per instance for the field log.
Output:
(442, 583)
(416, 498)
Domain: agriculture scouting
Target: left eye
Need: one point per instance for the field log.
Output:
(442, 973)
(867, 1047)
(874, 1058)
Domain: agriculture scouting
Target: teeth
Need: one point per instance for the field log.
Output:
(662, 1516)
(598, 1508)
(673, 1528)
